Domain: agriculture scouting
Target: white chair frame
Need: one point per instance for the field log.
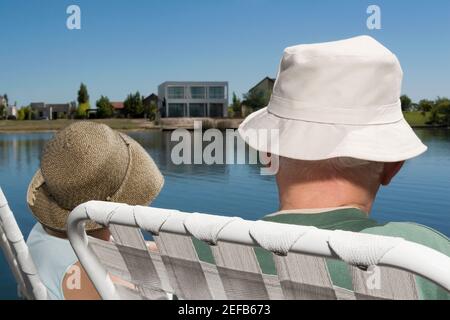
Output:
(390, 252)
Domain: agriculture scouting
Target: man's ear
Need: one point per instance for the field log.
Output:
(389, 171)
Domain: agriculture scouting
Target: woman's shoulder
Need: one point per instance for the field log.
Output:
(52, 256)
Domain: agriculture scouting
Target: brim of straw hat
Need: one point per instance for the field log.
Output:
(142, 184)
(313, 141)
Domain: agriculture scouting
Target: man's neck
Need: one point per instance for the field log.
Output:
(317, 210)
(319, 195)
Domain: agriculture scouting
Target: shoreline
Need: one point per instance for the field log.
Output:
(167, 124)
(130, 125)
(35, 126)
(56, 130)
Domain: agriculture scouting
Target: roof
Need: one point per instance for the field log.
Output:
(36, 105)
(61, 107)
(118, 105)
(194, 83)
(152, 97)
(266, 78)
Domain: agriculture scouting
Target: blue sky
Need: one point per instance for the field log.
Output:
(125, 46)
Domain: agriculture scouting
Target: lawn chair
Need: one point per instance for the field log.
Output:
(17, 255)
(299, 254)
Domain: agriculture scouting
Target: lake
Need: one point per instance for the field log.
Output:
(420, 193)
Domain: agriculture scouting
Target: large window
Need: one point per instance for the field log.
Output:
(175, 92)
(197, 110)
(216, 110)
(176, 110)
(216, 92)
(198, 93)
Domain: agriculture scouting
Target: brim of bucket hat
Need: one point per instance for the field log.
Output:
(142, 184)
(312, 141)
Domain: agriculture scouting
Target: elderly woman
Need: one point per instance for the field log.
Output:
(85, 161)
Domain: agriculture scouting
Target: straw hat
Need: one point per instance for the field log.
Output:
(90, 161)
(336, 99)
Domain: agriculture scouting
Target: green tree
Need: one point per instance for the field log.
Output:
(434, 117)
(20, 114)
(256, 99)
(236, 106)
(406, 102)
(104, 108)
(442, 106)
(426, 105)
(82, 110)
(150, 110)
(133, 105)
(25, 113)
(29, 115)
(6, 99)
(3, 107)
(83, 95)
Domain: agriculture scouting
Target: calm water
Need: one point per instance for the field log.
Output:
(420, 193)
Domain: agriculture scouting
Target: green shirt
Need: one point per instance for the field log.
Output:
(351, 219)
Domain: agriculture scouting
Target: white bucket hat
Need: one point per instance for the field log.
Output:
(336, 99)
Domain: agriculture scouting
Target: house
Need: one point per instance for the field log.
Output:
(118, 108)
(53, 111)
(265, 85)
(258, 96)
(153, 98)
(193, 99)
(11, 112)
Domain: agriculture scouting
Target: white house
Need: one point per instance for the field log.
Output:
(193, 99)
(11, 111)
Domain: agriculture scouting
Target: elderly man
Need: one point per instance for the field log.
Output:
(342, 136)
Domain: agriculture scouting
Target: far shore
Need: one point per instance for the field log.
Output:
(415, 120)
(15, 126)
(29, 126)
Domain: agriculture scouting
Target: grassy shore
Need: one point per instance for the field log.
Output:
(417, 119)
(54, 125)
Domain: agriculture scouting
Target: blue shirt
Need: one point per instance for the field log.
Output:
(53, 257)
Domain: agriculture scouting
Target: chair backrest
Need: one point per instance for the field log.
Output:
(380, 267)
(18, 256)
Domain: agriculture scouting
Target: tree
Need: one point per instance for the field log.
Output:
(425, 105)
(83, 95)
(104, 108)
(434, 117)
(25, 113)
(256, 99)
(133, 105)
(406, 102)
(236, 106)
(6, 99)
(150, 110)
(21, 114)
(29, 115)
(2, 106)
(442, 106)
(82, 110)
(2, 111)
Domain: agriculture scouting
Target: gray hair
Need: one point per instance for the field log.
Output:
(342, 166)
